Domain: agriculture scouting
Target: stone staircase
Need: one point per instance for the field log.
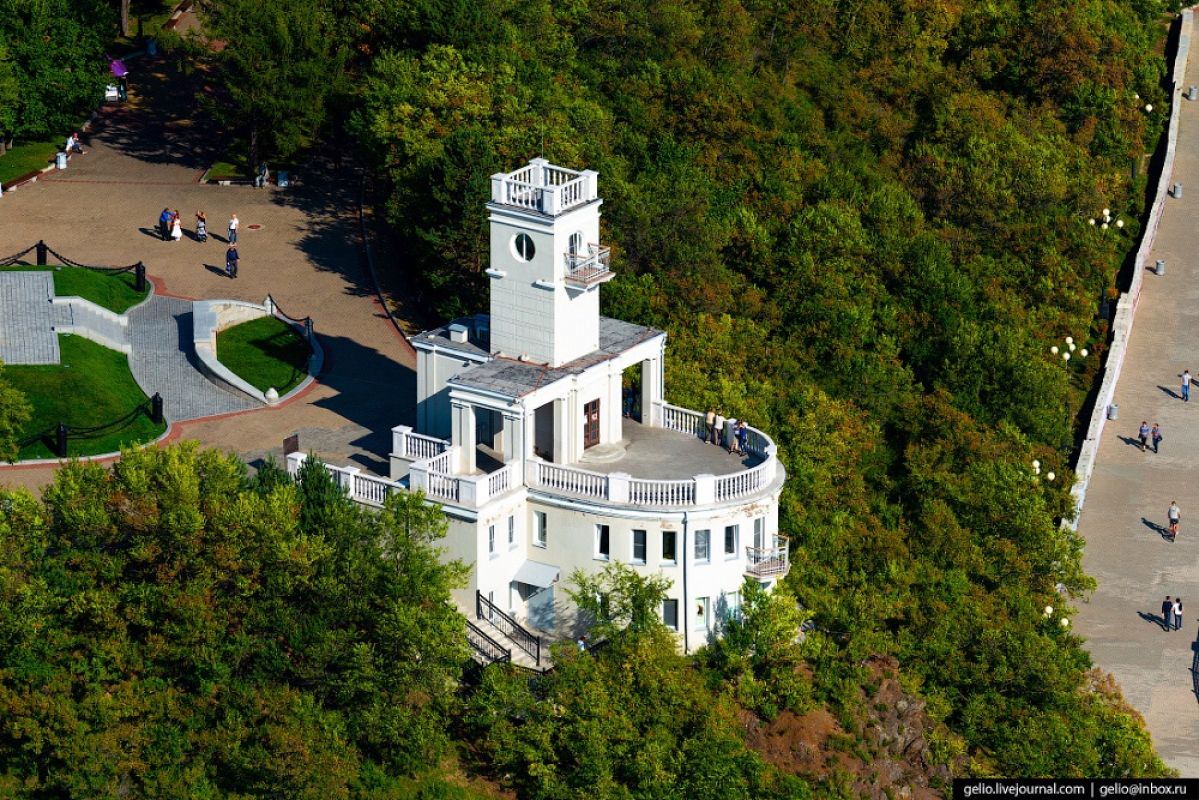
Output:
(496, 637)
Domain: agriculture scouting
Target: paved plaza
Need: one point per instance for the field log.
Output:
(26, 318)
(1130, 490)
(300, 245)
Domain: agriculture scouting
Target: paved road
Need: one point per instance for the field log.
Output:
(26, 319)
(305, 253)
(1130, 490)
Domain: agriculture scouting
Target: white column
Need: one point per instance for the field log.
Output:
(513, 437)
(705, 489)
(464, 436)
(618, 487)
(347, 480)
(563, 430)
(651, 390)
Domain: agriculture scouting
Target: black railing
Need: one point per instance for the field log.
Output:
(60, 433)
(521, 637)
(487, 649)
(44, 250)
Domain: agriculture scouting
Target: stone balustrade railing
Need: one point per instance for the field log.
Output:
(435, 476)
(544, 188)
(415, 446)
(365, 489)
(622, 489)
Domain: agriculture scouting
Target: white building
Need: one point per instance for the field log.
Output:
(525, 435)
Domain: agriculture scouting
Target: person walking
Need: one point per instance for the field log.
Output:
(231, 259)
(1167, 613)
(1156, 436)
(1177, 613)
(1143, 434)
(1174, 514)
(1186, 385)
(233, 225)
(201, 227)
(176, 227)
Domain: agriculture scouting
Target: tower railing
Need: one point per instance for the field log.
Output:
(590, 268)
(544, 188)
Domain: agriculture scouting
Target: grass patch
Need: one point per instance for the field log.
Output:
(264, 352)
(92, 386)
(28, 156)
(112, 290)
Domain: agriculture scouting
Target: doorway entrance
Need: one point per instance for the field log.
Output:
(591, 424)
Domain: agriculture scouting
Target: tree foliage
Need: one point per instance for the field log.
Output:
(14, 413)
(169, 628)
(54, 70)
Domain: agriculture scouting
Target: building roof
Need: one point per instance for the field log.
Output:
(513, 378)
(478, 337)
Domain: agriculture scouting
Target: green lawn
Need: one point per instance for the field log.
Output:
(92, 386)
(112, 290)
(264, 352)
(27, 156)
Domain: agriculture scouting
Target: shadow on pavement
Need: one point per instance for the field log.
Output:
(1156, 619)
(1160, 530)
(1170, 392)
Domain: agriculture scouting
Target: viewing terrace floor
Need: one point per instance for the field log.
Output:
(663, 454)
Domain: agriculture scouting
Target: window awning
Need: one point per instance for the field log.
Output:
(537, 574)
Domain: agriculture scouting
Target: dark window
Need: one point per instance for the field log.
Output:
(668, 548)
(639, 547)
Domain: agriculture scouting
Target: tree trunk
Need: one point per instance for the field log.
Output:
(124, 17)
(253, 145)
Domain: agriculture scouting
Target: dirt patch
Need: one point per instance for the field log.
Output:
(886, 756)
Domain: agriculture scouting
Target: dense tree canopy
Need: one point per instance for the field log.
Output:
(170, 629)
(54, 71)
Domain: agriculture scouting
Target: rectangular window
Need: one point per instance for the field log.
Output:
(759, 531)
(701, 613)
(491, 539)
(732, 606)
(668, 547)
(539, 528)
(730, 541)
(603, 548)
(703, 546)
(670, 614)
(511, 532)
(638, 547)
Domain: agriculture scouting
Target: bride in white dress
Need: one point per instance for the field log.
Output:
(176, 228)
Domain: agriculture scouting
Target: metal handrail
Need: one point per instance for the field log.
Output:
(520, 636)
(485, 646)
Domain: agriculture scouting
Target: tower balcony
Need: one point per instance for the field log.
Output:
(769, 562)
(544, 188)
(584, 270)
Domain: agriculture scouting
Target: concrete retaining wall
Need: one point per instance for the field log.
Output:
(1127, 305)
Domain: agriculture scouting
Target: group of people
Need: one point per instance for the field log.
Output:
(1146, 434)
(717, 424)
(170, 228)
(1172, 613)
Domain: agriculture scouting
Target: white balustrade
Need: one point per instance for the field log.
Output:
(500, 481)
(765, 562)
(372, 491)
(542, 187)
(743, 484)
(683, 420)
(662, 493)
(569, 480)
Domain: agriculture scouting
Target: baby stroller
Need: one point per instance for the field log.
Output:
(201, 231)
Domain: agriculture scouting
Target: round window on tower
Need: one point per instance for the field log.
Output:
(522, 247)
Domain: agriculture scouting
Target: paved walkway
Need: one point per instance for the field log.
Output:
(164, 361)
(26, 328)
(1130, 490)
(305, 253)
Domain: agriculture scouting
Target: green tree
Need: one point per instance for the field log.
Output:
(282, 62)
(167, 625)
(14, 413)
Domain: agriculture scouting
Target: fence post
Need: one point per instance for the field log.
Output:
(41, 253)
(140, 272)
(60, 443)
(156, 408)
(308, 330)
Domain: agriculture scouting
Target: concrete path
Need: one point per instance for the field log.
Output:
(26, 327)
(164, 361)
(299, 245)
(1130, 490)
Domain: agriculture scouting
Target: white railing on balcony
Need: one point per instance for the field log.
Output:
(569, 480)
(765, 562)
(415, 446)
(544, 188)
(590, 268)
(365, 489)
(436, 477)
(744, 484)
(621, 489)
(683, 420)
(662, 493)
(500, 481)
